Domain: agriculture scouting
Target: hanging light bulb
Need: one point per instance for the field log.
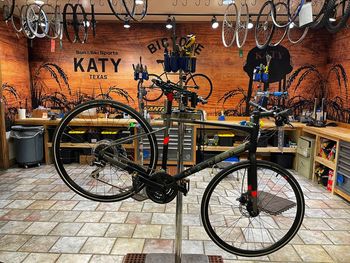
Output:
(228, 2)
(169, 23)
(291, 25)
(139, 2)
(250, 23)
(127, 23)
(39, 2)
(214, 23)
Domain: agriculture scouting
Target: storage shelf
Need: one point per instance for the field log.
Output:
(259, 150)
(325, 162)
(86, 145)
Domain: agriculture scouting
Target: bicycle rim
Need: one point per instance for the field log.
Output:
(294, 7)
(137, 11)
(8, 8)
(264, 27)
(242, 25)
(299, 37)
(89, 175)
(18, 28)
(117, 8)
(228, 33)
(339, 15)
(201, 84)
(226, 218)
(281, 18)
(153, 92)
(280, 32)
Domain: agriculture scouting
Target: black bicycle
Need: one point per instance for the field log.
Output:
(198, 82)
(251, 208)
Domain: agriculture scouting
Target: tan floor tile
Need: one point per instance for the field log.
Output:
(192, 247)
(22, 195)
(108, 206)
(316, 213)
(66, 216)
(168, 232)
(69, 258)
(44, 204)
(12, 242)
(147, 231)
(210, 248)
(312, 253)
(316, 224)
(42, 195)
(64, 205)
(197, 233)
(114, 217)
(316, 203)
(338, 253)
(337, 204)
(19, 204)
(14, 227)
(158, 246)
(106, 259)
(23, 187)
(41, 258)
(41, 215)
(153, 208)
(191, 220)
(15, 215)
(66, 229)
(338, 224)
(338, 237)
(98, 245)
(313, 237)
(41, 188)
(93, 229)
(68, 245)
(338, 213)
(285, 254)
(138, 218)
(128, 206)
(39, 244)
(120, 230)
(86, 206)
(63, 196)
(40, 228)
(4, 203)
(90, 217)
(13, 257)
(128, 245)
(163, 218)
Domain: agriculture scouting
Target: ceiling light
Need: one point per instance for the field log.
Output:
(139, 2)
(250, 24)
(228, 2)
(127, 23)
(169, 23)
(214, 23)
(291, 25)
(39, 2)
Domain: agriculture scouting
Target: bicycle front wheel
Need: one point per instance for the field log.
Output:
(201, 84)
(225, 210)
(103, 128)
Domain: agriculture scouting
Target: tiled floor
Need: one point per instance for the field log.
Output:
(41, 220)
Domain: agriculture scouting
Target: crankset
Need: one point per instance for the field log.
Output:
(167, 192)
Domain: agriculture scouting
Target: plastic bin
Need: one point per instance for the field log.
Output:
(226, 139)
(28, 142)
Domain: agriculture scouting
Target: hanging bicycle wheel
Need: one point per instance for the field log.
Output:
(80, 23)
(201, 84)
(339, 16)
(91, 171)
(225, 209)
(229, 25)
(281, 18)
(118, 9)
(296, 34)
(137, 10)
(8, 8)
(294, 7)
(280, 32)
(37, 21)
(242, 25)
(16, 23)
(322, 10)
(153, 92)
(53, 20)
(264, 27)
(68, 22)
(25, 27)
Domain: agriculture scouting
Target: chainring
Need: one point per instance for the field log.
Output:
(165, 194)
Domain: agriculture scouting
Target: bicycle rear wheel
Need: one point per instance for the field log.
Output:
(153, 92)
(85, 170)
(264, 27)
(201, 84)
(225, 210)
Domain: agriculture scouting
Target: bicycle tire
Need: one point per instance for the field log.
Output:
(271, 12)
(26, 30)
(201, 91)
(227, 26)
(77, 23)
(115, 13)
(241, 41)
(93, 20)
(40, 17)
(133, 12)
(333, 27)
(151, 87)
(65, 22)
(323, 15)
(84, 187)
(53, 21)
(295, 13)
(306, 30)
(275, 21)
(283, 35)
(9, 10)
(14, 26)
(213, 228)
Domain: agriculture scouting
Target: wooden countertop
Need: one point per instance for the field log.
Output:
(340, 133)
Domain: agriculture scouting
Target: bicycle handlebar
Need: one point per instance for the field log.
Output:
(278, 115)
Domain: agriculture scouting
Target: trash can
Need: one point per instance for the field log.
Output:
(28, 142)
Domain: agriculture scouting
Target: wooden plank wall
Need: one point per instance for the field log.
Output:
(222, 65)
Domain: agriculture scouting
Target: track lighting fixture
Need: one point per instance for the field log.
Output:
(169, 23)
(228, 2)
(250, 23)
(127, 23)
(139, 2)
(214, 23)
